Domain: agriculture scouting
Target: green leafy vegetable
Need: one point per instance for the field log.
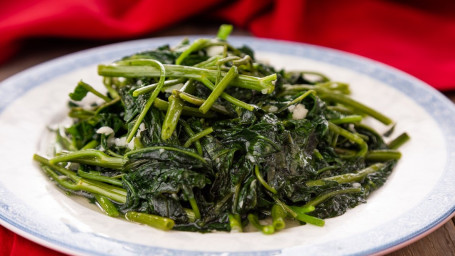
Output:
(203, 137)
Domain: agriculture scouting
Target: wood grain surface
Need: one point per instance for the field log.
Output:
(440, 242)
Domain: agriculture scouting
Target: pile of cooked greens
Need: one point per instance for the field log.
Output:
(202, 137)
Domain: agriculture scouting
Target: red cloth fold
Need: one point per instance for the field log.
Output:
(416, 36)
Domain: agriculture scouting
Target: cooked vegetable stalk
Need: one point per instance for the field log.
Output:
(151, 220)
(278, 217)
(218, 90)
(148, 63)
(265, 229)
(126, 69)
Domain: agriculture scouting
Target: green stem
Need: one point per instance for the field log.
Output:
(278, 216)
(172, 117)
(149, 103)
(347, 119)
(235, 222)
(348, 177)
(210, 62)
(195, 46)
(91, 157)
(321, 198)
(398, 141)
(92, 90)
(99, 177)
(323, 77)
(228, 97)
(345, 100)
(224, 31)
(218, 90)
(198, 101)
(352, 137)
(187, 111)
(262, 181)
(193, 203)
(265, 229)
(92, 144)
(80, 184)
(301, 97)
(187, 152)
(290, 212)
(107, 81)
(190, 133)
(151, 87)
(301, 216)
(106, 206)
(198, 136)
(155, 221)
(122, 69)
(382, 155)
(327, 168)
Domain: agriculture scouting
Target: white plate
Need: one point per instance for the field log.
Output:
(417, 197)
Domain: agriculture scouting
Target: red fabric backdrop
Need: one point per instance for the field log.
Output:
(417, 36)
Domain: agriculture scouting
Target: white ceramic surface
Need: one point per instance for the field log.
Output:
(416, 198)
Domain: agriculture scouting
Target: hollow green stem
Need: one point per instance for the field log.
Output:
(398, 141)
(193, 203)
(198, 136)
(187, 111)
(190, 133)
(80, 184)
(187, 152)
(301, 97)
(106, 206)
(382, 155)
(228, 97)
(151, 87)
(345, 100)
(321, 198)
(155, 221)
(302, 209)
(288, 209)
(301, 216)
(99, 177)
(224, 31)
(235, 222)
(172, 117)
(198, 101)
(265, 229)
(196, 45)
(262, 181)
(347, 119)
(327, 168)
(122, 69)
(107, 81)
(331, 86)
(377, 155)
(278, 216)
(352, 137)
(348, 177)
(218, 89)
(91, 157)
(149, 103)
(92, 144)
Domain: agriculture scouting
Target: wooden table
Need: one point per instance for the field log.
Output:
(35, 51)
